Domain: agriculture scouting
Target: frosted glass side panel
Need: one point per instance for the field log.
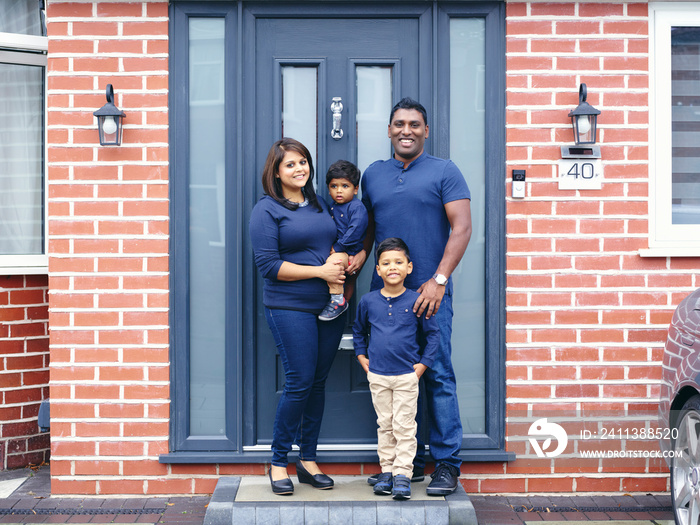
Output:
(300, 106)
(207, 236)
(467, 150)
(374, 96)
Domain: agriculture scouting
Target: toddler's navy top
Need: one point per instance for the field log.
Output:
(351, 221)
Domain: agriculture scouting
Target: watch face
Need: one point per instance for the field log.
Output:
(441, 279)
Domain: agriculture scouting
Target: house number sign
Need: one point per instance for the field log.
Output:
(580, 174)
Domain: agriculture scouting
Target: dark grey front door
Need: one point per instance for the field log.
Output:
(302, 65)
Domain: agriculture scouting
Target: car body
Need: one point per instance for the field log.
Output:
(679, 409)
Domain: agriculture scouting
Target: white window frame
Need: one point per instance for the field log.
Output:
(665, 238)
(38, 47)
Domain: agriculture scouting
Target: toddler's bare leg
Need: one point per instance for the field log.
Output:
(342, 257)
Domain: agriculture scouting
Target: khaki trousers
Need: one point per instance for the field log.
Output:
(337, 256)
(395, 400)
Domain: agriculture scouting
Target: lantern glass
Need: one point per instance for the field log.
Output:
(584, 128)
(110, 128)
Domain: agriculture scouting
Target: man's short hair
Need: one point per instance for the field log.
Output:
(409, 103)
(343, 169)
(392, 243)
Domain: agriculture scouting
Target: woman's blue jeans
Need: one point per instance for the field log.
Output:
(307, 347)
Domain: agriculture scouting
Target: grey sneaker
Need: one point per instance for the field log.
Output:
(333, 309)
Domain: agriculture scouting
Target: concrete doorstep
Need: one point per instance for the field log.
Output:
(249, 500)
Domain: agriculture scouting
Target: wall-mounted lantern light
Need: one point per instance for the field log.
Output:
(584, 119)
(109, 121)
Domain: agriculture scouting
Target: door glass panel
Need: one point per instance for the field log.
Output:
(685, 91)
(21, 159)
(374, 96)
(299, 106)
(467, 150)
(207, 235)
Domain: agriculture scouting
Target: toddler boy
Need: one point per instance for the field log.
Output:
(386, 339)
(350, 216)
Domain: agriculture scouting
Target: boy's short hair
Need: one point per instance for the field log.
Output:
(393, 243)
(343, 169)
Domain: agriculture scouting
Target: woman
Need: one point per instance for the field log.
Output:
(292, 234)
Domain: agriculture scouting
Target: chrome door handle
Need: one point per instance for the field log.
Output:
(337, 109)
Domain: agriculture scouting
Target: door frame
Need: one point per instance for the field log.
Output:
(240, 160)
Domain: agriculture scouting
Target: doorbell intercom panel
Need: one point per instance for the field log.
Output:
(518, 184)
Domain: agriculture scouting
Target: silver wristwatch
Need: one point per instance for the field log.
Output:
(440, 279)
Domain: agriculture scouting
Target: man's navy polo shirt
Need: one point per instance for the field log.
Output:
(410, 204)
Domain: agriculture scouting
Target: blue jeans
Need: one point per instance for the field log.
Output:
(307, 348)
(439, 393)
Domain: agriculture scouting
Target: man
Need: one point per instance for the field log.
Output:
(425, 201)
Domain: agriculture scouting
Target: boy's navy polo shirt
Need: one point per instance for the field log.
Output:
(410, 204)
(351, 221)
(387, 331)
(301, 236)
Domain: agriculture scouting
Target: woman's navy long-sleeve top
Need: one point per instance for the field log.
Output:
(302, 236)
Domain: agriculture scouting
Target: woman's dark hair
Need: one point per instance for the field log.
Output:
(409, 103)
(271, 183)
(343, 169)
(393, 243)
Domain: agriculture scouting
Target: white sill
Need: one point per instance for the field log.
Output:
(671, 251)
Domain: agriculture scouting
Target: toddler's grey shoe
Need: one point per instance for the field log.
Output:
(402, 487)
(333, 309)
(384, 484)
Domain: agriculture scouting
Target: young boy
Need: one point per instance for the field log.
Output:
(350, 216)
(393, 362)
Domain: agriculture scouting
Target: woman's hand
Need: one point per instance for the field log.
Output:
(332, 272)
(356, 262)
(420, 369)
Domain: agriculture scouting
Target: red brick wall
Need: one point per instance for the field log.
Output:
(108, 219)
(24, 369)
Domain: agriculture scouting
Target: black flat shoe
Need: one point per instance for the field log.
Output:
(317, 481)
(282, 487)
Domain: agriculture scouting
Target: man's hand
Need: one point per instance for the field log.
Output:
(420, 369)
(356, 262)
(431, 294)
(364, 362)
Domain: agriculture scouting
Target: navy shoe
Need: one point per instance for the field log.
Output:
(282, 487)
(402, 487)
(445, 479)
(418, 476)
(384, 484)
(333, 310)
(317, 481)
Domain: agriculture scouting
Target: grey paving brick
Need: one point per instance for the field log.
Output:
(364, 513)
(242, 513)
(291, 513)
(316, 513)
(340, 513)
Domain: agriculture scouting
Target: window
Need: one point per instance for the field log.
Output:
(674, 204)
(23, 47)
